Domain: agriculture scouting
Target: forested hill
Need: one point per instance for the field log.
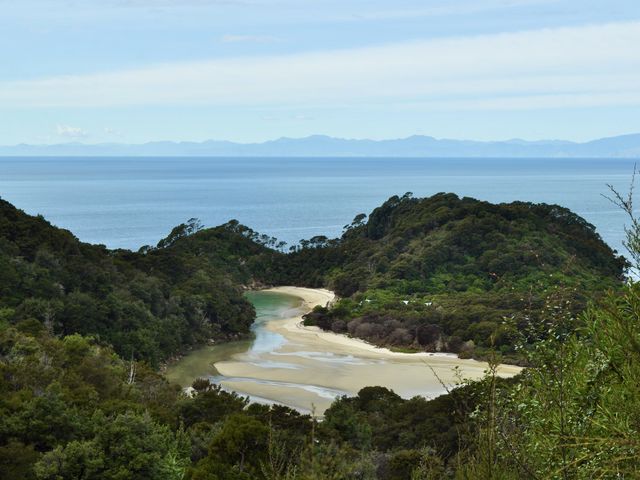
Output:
(434, 273)
(439, 272)
(148, 306)
(446, 243)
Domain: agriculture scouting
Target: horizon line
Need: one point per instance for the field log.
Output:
(323, 136)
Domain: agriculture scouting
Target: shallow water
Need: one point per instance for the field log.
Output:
(200, 362)
(306, 370)
(270, 306)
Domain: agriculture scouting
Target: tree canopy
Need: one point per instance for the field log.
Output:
(84, 328)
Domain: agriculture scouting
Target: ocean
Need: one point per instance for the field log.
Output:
(131, 202)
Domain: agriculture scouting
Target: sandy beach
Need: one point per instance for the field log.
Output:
(310, 367)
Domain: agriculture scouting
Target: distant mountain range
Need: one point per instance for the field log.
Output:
(627, 146)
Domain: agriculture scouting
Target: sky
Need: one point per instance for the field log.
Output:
(133, 71)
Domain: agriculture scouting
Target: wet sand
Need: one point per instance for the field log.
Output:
(308, 368)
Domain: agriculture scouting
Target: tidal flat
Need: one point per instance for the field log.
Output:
(306, 368)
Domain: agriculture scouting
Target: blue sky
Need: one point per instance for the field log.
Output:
(251, 70)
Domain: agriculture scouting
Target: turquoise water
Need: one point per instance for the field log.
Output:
(130, 202)
(307, 371)
(199, 362)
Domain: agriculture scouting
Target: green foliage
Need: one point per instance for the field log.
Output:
(68, 411)
(17, 460)
(429, 274)
(242, 442)
(147, 305)
(127, 446)
(441, 273)
(210, 405)
(434, 273)
(575, 412)
(332, 461)
(380, 420)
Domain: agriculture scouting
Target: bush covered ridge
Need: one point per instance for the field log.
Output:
(146, 306)
(445, 273)
(444, 243)
(71, 407)
(440, 273)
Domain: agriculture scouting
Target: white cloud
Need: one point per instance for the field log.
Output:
(112, 131)
(509, 70)
(70, 132)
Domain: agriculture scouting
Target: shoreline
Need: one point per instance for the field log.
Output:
(312, 297)
(308, 368)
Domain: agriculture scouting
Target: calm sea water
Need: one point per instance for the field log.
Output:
(130, 202)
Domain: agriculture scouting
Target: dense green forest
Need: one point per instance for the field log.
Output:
(83, 330)
(440, 273)
(71, 409)
(454, 274)
(148, 306)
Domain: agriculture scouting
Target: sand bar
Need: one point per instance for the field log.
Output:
(311, 367)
